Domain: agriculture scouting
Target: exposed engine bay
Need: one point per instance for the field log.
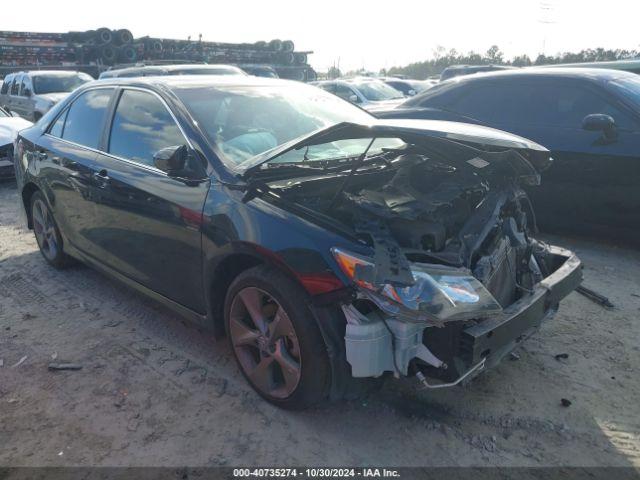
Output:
(452, 252)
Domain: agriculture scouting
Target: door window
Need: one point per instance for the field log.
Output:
(15, 86)
(85, 118)
(5, 86)
(142, 125)
(58, 126)
(344, 92)
(23, 86)
(541, 104)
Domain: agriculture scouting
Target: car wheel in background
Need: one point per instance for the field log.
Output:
(275, 339)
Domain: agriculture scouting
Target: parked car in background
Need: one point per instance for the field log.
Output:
(265, 71)
(185, 69)
(331, 247)
(368, 93)
(31, 94)
(588, 118)
(409, 88)
(9, 128)
(459, 70)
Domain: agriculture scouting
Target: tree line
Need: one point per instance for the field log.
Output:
(443, 58)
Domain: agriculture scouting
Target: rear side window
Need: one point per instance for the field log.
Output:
(15, 86)
(85, 118)
(58, 126)
(142, 125)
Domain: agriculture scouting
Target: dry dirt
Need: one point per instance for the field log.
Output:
(156, 391)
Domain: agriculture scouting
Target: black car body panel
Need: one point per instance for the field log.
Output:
(182, 237)
(591, 188)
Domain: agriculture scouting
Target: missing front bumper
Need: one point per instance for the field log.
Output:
(375, 344)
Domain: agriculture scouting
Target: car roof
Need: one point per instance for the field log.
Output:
(173, 67)
(59, 73)
(176, 81)
(594, 74)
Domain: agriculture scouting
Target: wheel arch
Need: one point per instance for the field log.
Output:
(27, 192)
(223, 270)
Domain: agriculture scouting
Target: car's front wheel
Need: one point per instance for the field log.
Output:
(275, 339)
(47, 233)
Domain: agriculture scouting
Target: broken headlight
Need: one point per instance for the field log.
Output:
(440, 293)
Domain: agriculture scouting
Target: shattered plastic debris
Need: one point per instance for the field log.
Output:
(20, 362)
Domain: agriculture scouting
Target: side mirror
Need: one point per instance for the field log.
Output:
(172, 160)
(354, 99)
(27, 92)
(411, 93)
(599, 122)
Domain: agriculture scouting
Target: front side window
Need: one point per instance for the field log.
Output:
(43, 84)
(5, 87)
(142, 126)
(85, 118)
(345, 92)
(541, 104)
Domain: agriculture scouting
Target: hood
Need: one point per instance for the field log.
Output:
(9, 128)
(442, 136)
(53, 97)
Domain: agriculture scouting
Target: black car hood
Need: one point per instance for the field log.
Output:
(443, 135)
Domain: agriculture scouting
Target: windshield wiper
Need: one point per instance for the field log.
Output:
(356, 165)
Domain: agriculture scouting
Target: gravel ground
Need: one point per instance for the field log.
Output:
(154, 390)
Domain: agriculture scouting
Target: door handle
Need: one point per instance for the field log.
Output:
(102, 176)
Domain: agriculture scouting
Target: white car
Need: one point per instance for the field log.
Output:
(369, 93)
(9, 128)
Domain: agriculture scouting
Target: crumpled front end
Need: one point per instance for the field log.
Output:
(454, 279)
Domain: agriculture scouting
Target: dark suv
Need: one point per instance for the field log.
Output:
(329, 246)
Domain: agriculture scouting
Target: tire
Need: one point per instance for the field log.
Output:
(283, 355)
(47, 233)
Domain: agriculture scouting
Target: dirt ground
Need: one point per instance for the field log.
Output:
(156, 391)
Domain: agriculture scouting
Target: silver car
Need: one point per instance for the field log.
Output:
(32, 94)
(369, 93)
(9, 128)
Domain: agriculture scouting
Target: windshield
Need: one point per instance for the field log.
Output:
(376, 91)
(3, 113)
(337, 150)
(629, 88)
(58, 83)
(245, 121)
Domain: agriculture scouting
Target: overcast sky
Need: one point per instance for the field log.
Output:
(370, 34)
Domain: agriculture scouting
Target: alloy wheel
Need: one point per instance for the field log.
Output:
(44, 229)
(265, 342)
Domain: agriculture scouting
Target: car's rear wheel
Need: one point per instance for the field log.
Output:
(275, 340)
(47, 233)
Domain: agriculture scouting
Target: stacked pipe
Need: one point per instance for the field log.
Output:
(105, 47)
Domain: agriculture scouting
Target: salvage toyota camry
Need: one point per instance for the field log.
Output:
(330, 247)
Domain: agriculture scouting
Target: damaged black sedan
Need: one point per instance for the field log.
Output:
(330, 247)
